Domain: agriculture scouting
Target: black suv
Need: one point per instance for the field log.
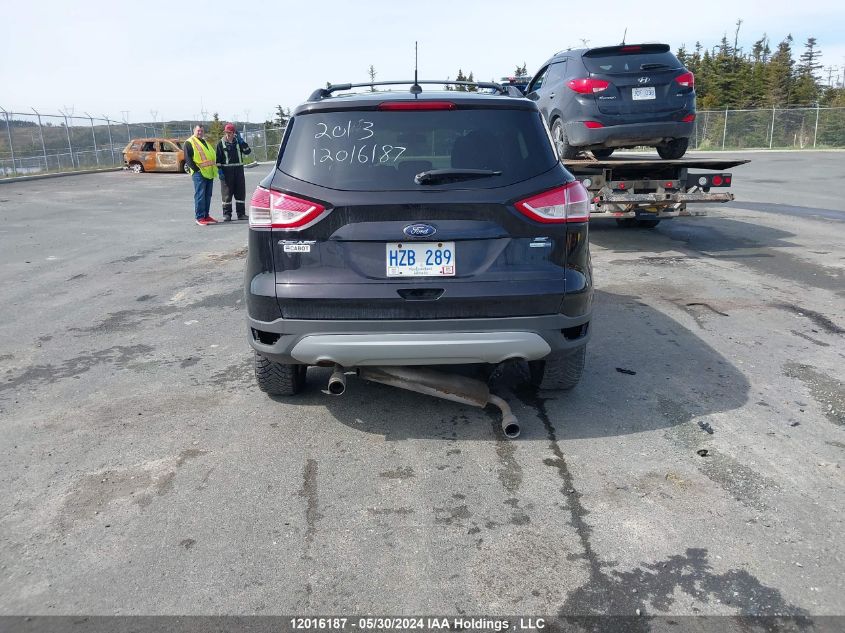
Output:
(599, 99)
(409, 228)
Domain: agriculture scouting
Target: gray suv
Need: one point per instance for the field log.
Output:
(418, 228)
(600, 99)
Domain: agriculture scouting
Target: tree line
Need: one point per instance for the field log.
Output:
(727, 76)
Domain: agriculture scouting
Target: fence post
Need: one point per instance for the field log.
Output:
(69, 143)
(11, 145)
(43, 147)
(772, 133)
(816, 132)
(696, 132)
(725, 130)
(94, 136)
(266, 153)
(111, 143)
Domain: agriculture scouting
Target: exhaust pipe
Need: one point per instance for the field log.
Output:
(337, 381)
(510, 426)
(447, 386)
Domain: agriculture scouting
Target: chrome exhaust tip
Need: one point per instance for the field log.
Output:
(337, 382)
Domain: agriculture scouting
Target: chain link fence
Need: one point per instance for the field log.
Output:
(33, 143)
(38, 143)
(776, 128)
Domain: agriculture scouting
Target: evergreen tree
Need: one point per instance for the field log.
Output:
(460, 77)
(471, 79)
(282, 116)
(372, 73)
(215, 130)
(779, 75)
(521, 71)
(806, 83)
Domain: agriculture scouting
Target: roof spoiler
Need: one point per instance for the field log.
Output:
(323, 93)
(627, 49)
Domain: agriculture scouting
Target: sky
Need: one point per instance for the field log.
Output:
(173, 60)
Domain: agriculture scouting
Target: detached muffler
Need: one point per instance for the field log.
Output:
(447, 386)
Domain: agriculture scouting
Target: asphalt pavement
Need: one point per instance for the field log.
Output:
(143, 472)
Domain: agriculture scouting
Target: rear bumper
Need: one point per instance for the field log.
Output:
(628, 135)
(416, 342)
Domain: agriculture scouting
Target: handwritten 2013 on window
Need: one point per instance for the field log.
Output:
(365, 153)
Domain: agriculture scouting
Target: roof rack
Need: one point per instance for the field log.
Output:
(323, 93)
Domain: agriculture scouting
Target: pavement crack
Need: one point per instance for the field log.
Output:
(819, 319)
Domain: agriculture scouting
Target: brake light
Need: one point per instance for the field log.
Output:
(688, 118)
(631, 49)
(417, 105)
(273, 209)
(687, 80)
(587, 85)
(569, 203)
(717, 181)
(593, 125)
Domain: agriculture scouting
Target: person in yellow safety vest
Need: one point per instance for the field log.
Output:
(201, 161)
(231, 150)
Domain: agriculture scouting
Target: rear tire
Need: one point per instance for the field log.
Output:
(138, 168)
(561, 371)
(647, 223)
(673, 149)
(601, 154)
(279, 379)
(626, 222)
(564, 149)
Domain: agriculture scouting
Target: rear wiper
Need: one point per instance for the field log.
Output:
(653, 66)
(452, 175)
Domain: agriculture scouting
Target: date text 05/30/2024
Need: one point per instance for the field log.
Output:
(474, 624)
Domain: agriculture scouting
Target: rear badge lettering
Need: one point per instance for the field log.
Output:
(292, 246)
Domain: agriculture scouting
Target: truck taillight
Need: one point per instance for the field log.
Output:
(273, 209)
(687, 80)
(569, 203)
(587, 85)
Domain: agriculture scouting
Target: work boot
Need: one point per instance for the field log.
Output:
(242, 217)
(227, 217)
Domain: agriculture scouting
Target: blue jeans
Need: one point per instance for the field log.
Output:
(202, 194)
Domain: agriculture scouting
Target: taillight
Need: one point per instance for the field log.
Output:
(687, 80)
(593, 125)
(688, 118)
(569, 203)
(417, 105)
(717, 181)
(273, 209)
(587, 86)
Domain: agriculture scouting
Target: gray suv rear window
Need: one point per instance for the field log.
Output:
(631, 63)
(383, 150)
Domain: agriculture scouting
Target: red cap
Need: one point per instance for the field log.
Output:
(230, 127)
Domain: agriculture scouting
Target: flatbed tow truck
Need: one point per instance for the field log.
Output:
(643, 191)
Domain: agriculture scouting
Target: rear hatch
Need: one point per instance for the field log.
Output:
(641, 78)
(390, 237)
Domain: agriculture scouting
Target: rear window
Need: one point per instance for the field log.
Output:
(631, 62)
(374, 150)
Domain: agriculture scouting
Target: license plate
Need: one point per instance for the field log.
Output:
(421, 259)
(638, 94)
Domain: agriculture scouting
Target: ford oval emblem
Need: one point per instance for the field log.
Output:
(419, 230)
